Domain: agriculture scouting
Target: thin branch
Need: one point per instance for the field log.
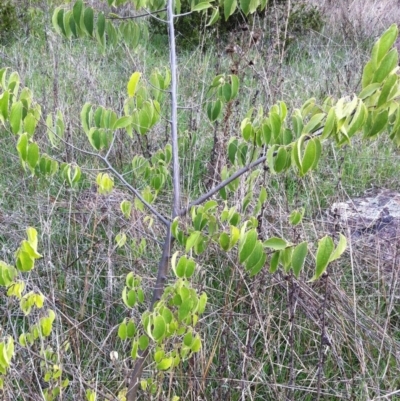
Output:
(163, 219)
(156, 213)
(222, 184)
(147, 13)
(111, 146)
(183, 14)
(238, 173)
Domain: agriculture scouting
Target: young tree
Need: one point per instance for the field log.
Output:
(270, 141)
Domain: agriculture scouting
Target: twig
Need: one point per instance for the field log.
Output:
(147, 13)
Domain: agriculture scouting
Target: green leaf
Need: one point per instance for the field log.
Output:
(224, 241)
(143, 342)
(132, 84)
(3, 75)
(296, 152)
(389, 63)
(159, 328)
(358, 119)
(60, 21)
(229, 8)
(214, 110)
(296, 216)
(190, 268)
(4, 102)
(276, 125)
(275, 243)
(112, 36)
(210, 205)
(247, 245)
(126, 208)
(245, 6)
(196, 344)
(184, 310)
(66, 23)
(256, 255)
(120, 239)
(200, 221)
(263, 195)
(16, 117)
(258, 266)
(299, 257)
(280, 159)
(201, 6)
(30, 250)
(324, 252)
(122, 122)
(318, 150)
(384, 43)
(32, 237)
(390, 82)
(246, 201)
(234, 86)
(285, 258)
(214, 17)
(77, 12)
(309, 157)
(22, 147)
(297, 123)
(180, 266)
(88, 20)
(225, 92)
(32, 156)
(122, 331)
(341, 247)
(234, 237)
(129, 297)
(313, 123)
(266, 132)
(72, 26)
(130, 329)
(73, 175)
(256, 261)
(98, 116)
(379, 124)
(192, 240)
(369, 90)
(247, 130)
(202, 303)
(368, 73)
(101, 25)
(85, 117)
(165, 364)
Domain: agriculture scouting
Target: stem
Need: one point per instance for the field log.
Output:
(166, 254)
(291, 290)
(157, 292)
(324, 339)
(174, 111)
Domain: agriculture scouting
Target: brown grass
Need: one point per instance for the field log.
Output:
(359, 18)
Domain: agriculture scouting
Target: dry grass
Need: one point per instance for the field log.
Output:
(359, 19)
